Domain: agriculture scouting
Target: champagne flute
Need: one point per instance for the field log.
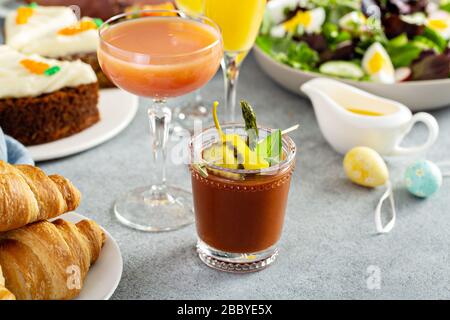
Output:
(196, 108)
(239, 21)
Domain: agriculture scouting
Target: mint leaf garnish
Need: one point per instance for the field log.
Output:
(270, 148)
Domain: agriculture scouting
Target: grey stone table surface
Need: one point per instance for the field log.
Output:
(329, 248)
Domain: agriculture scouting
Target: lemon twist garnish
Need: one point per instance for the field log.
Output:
(216, 121)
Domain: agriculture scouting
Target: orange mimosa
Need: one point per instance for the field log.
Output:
(239, 21)
(180, 56)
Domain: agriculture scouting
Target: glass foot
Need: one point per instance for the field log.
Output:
(236, 262)
(195, 111)
(155, 209)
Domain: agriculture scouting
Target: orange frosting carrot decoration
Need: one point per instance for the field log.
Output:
(35, 67)
(24, 14)
(81, 26)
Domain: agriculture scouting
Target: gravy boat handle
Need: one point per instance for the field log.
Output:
(433, 132)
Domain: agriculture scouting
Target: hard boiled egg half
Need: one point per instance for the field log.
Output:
(311, 21)
(377, 64)
(439, 21)
(276, 9)
(354, 21)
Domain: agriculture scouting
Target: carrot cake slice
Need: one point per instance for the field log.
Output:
(42, 100)
(55, 32)
(104, 9)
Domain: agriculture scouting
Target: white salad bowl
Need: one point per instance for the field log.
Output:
(417, 95)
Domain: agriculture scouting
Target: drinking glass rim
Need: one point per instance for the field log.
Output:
(179, 16)
(286, 141)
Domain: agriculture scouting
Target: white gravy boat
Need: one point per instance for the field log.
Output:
(344, 129)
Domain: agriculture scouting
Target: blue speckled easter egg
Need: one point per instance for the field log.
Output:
(423, 178)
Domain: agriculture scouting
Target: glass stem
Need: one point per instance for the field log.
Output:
(198, 97)
(230, 67)
(159, 116)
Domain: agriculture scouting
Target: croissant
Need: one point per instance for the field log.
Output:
(49, 260)
(28, 195)
(5, 294)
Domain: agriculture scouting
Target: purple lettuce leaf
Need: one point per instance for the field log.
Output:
(314, 41)
(394, 6)
(394, 26)
(343, 51)
(431, 66)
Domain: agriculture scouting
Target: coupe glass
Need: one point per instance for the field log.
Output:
(158, 54)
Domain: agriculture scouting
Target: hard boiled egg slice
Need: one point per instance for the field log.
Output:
(377, 64)
(439, 21)
(354, 21)
(311, 21)
(277, 9)
(418, 18)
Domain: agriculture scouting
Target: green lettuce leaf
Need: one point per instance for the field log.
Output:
(437, 39)
(285, 50)
(402, 52)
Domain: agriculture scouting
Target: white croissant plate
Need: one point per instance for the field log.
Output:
(117, 110)
(104, 276)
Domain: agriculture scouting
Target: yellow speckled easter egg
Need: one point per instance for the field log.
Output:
(364, 166)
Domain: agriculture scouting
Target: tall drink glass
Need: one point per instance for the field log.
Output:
(195, 109)
(239, 213)
(158, 54)
(239, 21)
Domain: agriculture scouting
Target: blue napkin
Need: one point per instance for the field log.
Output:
(13, 151)
(3, 151)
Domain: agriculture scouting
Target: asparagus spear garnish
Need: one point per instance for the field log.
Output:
(250, 124)
(235, 149)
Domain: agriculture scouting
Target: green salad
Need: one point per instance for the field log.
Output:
(384, 41)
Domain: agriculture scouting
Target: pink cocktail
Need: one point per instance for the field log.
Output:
(160, 55)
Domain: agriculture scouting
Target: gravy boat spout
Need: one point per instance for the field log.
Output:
(349, 117)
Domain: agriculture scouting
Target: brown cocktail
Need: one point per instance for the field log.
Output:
(239, 212)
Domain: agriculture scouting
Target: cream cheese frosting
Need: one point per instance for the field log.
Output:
(16, 81)
(43, 21)
(40, 34)
(55, 45)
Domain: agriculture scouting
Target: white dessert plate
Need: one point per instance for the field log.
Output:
(104, 276)
(117, 110)
(417, 95)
